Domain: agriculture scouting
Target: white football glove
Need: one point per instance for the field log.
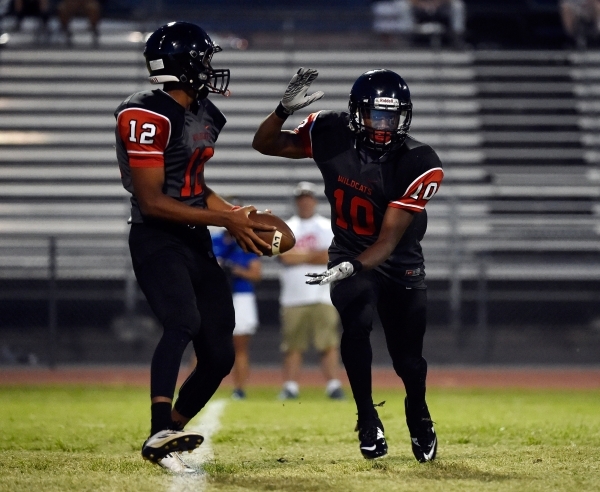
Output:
(338, 272)
(295, 96)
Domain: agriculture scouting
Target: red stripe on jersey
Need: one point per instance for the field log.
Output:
(420, 191)
(145, 135)
(304, 129)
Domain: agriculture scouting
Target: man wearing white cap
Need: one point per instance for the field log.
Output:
(307, 314)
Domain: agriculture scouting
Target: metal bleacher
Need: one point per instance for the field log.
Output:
(515, 130)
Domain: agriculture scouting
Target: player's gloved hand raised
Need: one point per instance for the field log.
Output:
(295, 96)
(338, 272)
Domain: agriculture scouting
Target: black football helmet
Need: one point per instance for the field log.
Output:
(182, 52)
(380, 109)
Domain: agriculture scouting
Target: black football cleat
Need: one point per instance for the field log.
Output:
(422, 434)
(372, 440)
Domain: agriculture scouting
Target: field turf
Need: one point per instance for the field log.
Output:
(76, 439)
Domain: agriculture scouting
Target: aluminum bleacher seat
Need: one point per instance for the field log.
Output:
(516, 132)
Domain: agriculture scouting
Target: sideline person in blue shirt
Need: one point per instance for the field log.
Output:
(243, 270)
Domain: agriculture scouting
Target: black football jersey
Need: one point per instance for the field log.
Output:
(154, 130)
(361, 184)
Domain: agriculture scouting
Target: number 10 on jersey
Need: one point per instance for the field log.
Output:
(361, 216)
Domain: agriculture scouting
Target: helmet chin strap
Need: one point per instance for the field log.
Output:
(202, 93)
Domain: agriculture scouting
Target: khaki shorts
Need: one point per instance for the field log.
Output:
(316, 323)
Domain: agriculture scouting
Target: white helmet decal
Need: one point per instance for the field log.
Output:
(386, 103)
(157, 64)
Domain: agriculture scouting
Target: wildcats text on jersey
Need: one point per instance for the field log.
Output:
(197, 137)
(354, 184)
(361, 187)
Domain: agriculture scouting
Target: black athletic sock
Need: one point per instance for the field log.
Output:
(368, 418)
(161, 417)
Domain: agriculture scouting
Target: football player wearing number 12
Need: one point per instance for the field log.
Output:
(164, 138)
(378, 181)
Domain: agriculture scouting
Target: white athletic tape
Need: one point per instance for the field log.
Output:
(276, 243)
(208, 424)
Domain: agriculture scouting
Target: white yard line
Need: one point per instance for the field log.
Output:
(207, 425)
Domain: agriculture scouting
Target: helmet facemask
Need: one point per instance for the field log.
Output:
(197, 71)
(382, 124)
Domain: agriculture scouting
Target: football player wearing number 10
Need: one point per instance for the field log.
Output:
(378, 181)
(164, 138)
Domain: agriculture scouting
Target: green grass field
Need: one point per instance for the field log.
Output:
(89, 438)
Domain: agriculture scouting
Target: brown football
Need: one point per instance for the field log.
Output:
(281, 240)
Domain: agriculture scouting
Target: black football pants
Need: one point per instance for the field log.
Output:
(402, 313)
(189, 294)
